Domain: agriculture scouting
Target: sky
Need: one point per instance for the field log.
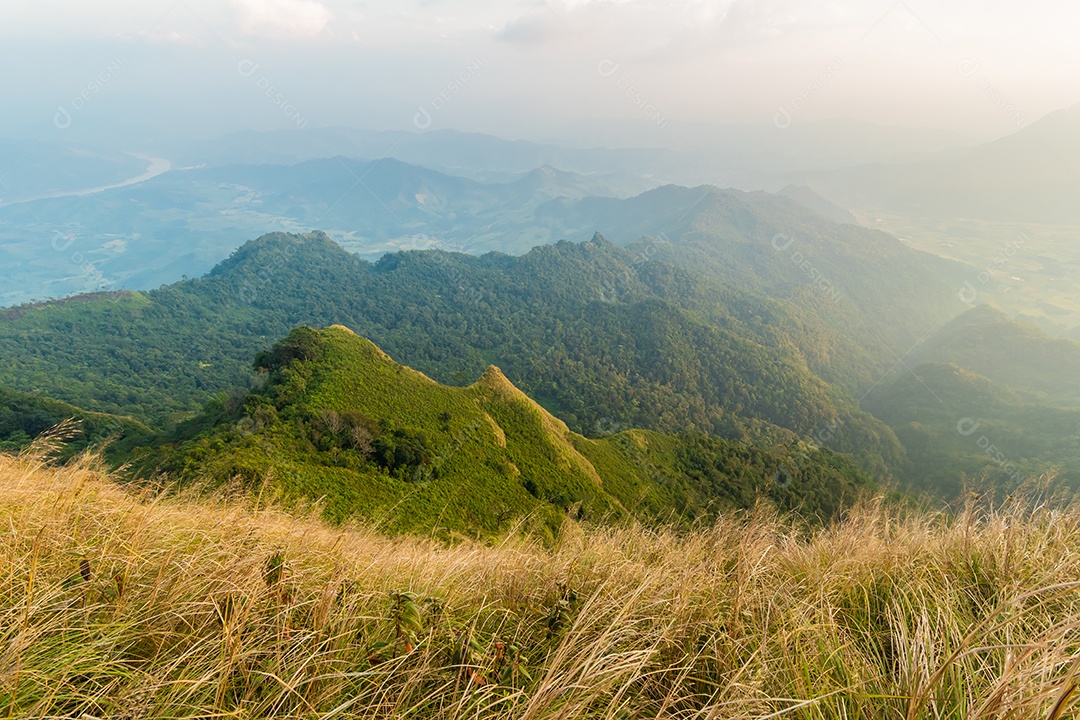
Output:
(616, 72)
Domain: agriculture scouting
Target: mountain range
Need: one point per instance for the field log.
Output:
(709, 318)
(604, 338)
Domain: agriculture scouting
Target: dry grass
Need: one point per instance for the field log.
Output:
(118, 606)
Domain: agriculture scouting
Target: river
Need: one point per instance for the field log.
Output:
(157, 166)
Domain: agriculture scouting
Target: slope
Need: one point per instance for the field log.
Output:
(336, 420)
(25, 417)
(1029, 175)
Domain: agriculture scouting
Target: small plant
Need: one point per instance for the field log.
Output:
(509, 664)
(563, 609)
(405, 617)
(467, 656)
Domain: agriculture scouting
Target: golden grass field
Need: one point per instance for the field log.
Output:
(116, 604)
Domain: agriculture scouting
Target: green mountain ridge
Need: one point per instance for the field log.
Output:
(604, 337)
(338, 421)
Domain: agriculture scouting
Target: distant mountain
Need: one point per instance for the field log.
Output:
(483, 158)
(745, 156)
(340, 422)
(1029, 176)
(986, 397)
(960, 428)
(387, 199)
(185, 221)
(872, 293)
(1009, 352)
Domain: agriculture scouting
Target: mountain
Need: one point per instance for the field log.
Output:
(185, 221)
(597, 337)
(336, 420)
(479, 157)
(959, 427)
(26, 416)
(810, 200)
(1010, 352)
(376, 204)
(35, 169)
(1028, 176)
(603, 337)
(750, 156)
(871, 295)
(988, 398)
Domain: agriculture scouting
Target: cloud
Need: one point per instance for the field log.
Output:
(636, 26)
(534, 28)
(683, 27)
(298, 19)
(167, 38)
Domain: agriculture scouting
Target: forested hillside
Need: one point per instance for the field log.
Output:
(601, 339)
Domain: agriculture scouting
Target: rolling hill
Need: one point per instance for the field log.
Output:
(337, 421)
(987, 398)
(1010, 352)
(961, 429)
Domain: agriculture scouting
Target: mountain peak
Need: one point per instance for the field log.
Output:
(493, 379)
(280, 251)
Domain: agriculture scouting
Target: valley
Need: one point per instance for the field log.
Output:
(1025, 269)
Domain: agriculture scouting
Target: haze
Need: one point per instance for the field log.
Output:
(580, 73)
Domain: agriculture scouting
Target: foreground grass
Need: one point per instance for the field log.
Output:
(124, 607)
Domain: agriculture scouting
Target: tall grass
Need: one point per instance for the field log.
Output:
(120, 606)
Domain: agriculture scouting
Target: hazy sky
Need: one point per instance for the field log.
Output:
(652, 71)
